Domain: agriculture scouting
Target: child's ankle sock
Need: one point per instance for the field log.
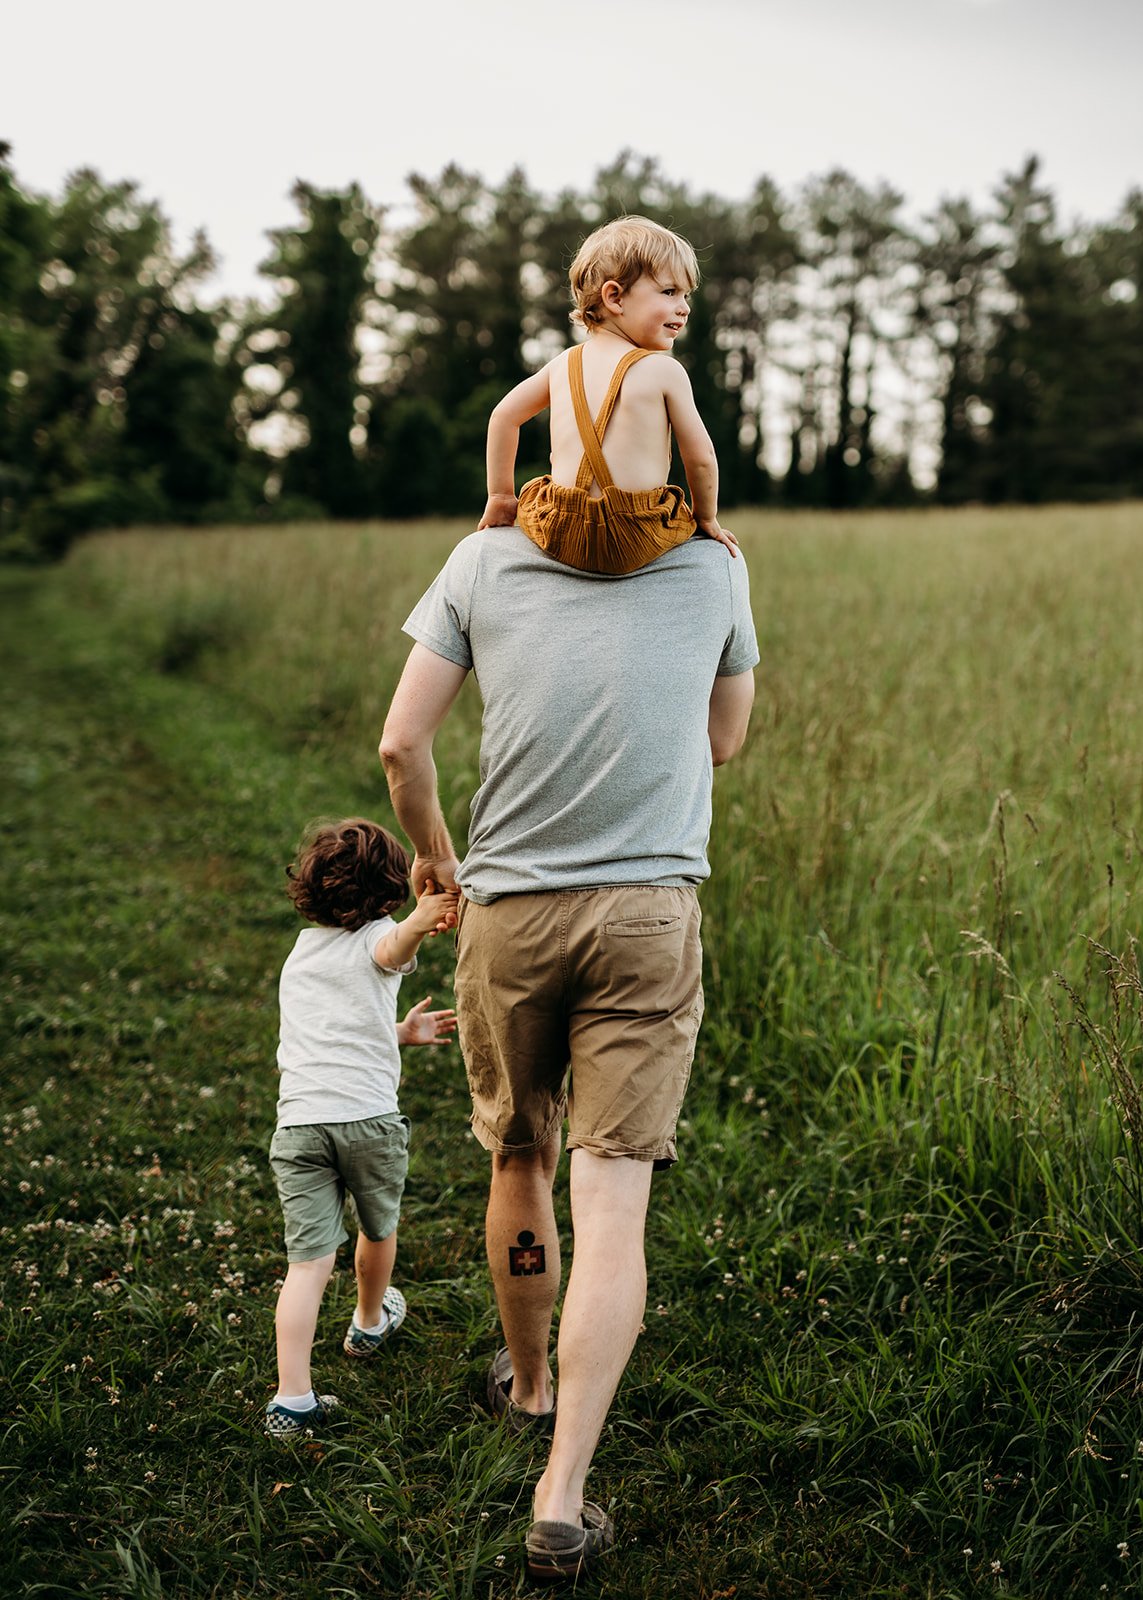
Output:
(377, 1328)
(296, 1402)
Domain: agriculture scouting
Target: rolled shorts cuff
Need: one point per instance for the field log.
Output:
(298, 1256)
(488, 1139)
(662, 1157)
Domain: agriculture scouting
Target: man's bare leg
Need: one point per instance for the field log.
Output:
(600, 1321)
(524, 1259)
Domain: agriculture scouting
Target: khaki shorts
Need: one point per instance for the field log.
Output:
(584, 1001)
(317, 1163)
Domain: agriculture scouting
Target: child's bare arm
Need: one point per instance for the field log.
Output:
(697, 452)
(435, 912)
(518, 406)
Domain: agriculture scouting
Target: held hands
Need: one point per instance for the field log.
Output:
(436, 870)
(499, 512)
(436, 910)
(709, 525)
(426, 1027)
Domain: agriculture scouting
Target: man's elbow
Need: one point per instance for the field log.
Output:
(725, 746)
(397, 750)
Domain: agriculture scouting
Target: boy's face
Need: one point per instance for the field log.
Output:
(651, 313)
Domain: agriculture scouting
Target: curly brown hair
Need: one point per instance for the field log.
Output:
(348, 873)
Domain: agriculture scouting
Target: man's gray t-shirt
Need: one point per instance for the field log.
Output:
(595, 764)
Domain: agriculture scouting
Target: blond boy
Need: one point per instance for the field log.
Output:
(614, 401)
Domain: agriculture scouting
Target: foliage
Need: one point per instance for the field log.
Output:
(306, 350)
(891, 1342)
(117, 410)
(840, 355)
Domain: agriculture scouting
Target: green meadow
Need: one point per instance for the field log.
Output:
(893, 1342)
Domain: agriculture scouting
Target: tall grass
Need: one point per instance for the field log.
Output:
(891, 1345)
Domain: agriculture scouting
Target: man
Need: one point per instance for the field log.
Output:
(606, 703)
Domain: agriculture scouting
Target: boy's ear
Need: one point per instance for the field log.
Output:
(611, 295)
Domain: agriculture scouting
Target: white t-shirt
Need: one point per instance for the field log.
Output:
(337, 1045)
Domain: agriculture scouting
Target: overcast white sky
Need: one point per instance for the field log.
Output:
(216, 108)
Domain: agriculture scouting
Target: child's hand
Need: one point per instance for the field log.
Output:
(426, 1027)
(499, 512)
(723, 535)
(436, 909)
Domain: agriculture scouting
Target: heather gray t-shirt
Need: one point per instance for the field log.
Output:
(595, 763)
(337, 1041)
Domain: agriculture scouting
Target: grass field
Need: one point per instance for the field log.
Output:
(892, 1343)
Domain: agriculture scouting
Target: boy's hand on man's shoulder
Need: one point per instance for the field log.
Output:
(723, 535)
(499, 512)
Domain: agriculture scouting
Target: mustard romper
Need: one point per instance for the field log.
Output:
(625, 528)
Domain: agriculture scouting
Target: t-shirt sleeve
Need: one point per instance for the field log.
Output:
(440, 619)
(374, 932)
(740, 652)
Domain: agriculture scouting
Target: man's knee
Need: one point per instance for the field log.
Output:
(611, 1183)
(541, 1159)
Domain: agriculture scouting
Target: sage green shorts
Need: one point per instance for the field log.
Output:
(584, 1003)
(317, 1164)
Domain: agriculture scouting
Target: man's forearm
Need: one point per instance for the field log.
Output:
(412, 779)
(428, 687)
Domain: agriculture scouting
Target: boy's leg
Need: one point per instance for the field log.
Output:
(602, 1313)
(373, 1263)
(296, 1320)
(519, 1205)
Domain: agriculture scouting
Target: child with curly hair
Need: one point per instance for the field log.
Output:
(339, 1128)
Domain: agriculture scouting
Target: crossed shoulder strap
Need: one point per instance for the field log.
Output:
(593, 464)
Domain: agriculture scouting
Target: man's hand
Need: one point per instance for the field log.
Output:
(434, 873)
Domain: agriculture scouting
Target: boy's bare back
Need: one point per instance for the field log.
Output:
(638, 447)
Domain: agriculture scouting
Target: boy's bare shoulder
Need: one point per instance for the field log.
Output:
(662, 368)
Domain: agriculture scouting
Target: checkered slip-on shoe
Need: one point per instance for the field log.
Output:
(359, 1343)
(282, 1423)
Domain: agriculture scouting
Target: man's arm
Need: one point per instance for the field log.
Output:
(729, 716)
(422, 700)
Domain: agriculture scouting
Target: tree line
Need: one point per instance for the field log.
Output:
(840, 354)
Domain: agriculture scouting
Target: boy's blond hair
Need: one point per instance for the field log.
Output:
(622, 251)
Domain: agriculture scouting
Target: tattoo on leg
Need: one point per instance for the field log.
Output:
(526, 1257)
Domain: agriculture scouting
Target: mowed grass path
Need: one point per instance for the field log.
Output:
(891, 1345)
